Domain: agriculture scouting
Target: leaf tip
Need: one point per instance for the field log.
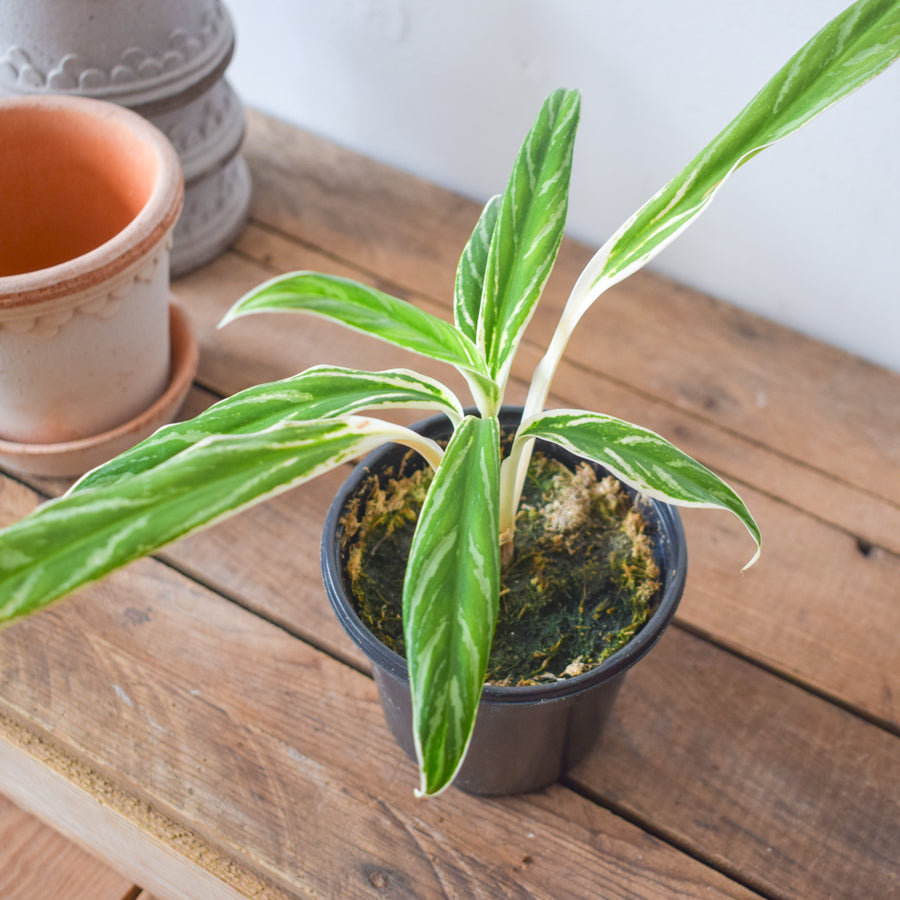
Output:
(426, 792)
(754, 559)
(229, 317)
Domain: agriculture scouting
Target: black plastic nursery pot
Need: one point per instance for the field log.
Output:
(525, 737)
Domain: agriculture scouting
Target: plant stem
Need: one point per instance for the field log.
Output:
(515, 466)
(486, 394)
(429, 449)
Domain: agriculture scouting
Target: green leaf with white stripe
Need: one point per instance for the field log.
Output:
(469, 283)
(450, 599)
(318, 393)
(528, 232)
(851, 49)
(642, 459)
(364, 309)
(86, 534)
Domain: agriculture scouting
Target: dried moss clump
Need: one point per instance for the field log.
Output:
(378, 532)
(580, 584)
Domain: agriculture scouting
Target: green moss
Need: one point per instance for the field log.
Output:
(580, 584)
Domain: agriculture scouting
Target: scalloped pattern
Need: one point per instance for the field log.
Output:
(76, 73)
(219, 106)
(44, 326)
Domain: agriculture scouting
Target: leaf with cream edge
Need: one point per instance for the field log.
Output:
(642, 459)
(850, 50)
(318, 393)
(365, 309)
(450, 599)
(528, 231)
(375, 313)
(86, 534)
(469, 283)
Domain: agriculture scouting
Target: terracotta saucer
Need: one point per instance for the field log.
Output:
(72, 458)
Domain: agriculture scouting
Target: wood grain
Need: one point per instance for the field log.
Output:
(134, 838)
(785, 786)
(36, 861)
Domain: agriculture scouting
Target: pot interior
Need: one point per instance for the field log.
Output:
(70, 181)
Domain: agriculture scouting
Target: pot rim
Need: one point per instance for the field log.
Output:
(671, 548)
(127, 248)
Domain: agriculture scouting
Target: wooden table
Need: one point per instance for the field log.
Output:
(201, 722)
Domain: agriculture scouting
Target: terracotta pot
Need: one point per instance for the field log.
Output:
(524, 737)
(91, 192)
(70, 458)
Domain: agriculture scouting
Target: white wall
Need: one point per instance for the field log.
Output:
(807, 234)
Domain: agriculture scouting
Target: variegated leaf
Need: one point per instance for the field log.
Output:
(528, 231)
(365, 309)
(851, 49)
(450, 599)
(318, 393)
(640, 458)
(469, 283)
(86, 534)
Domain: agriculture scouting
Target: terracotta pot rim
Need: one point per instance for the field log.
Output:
(130, 246)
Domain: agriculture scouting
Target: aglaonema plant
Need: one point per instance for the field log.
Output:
(273, 436)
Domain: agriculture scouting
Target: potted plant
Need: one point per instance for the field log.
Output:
(273, 436)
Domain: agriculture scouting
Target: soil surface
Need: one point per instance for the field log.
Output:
(581, 583)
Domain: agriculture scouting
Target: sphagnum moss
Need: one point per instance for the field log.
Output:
(580, 584)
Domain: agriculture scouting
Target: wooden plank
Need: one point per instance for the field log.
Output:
(37, 861)
(826, 409)
(801, 796)
(278, 758)
(873, 520)
(267, 560)
(231, 358)
(823, 407)
(355, 209)
(816, 607)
